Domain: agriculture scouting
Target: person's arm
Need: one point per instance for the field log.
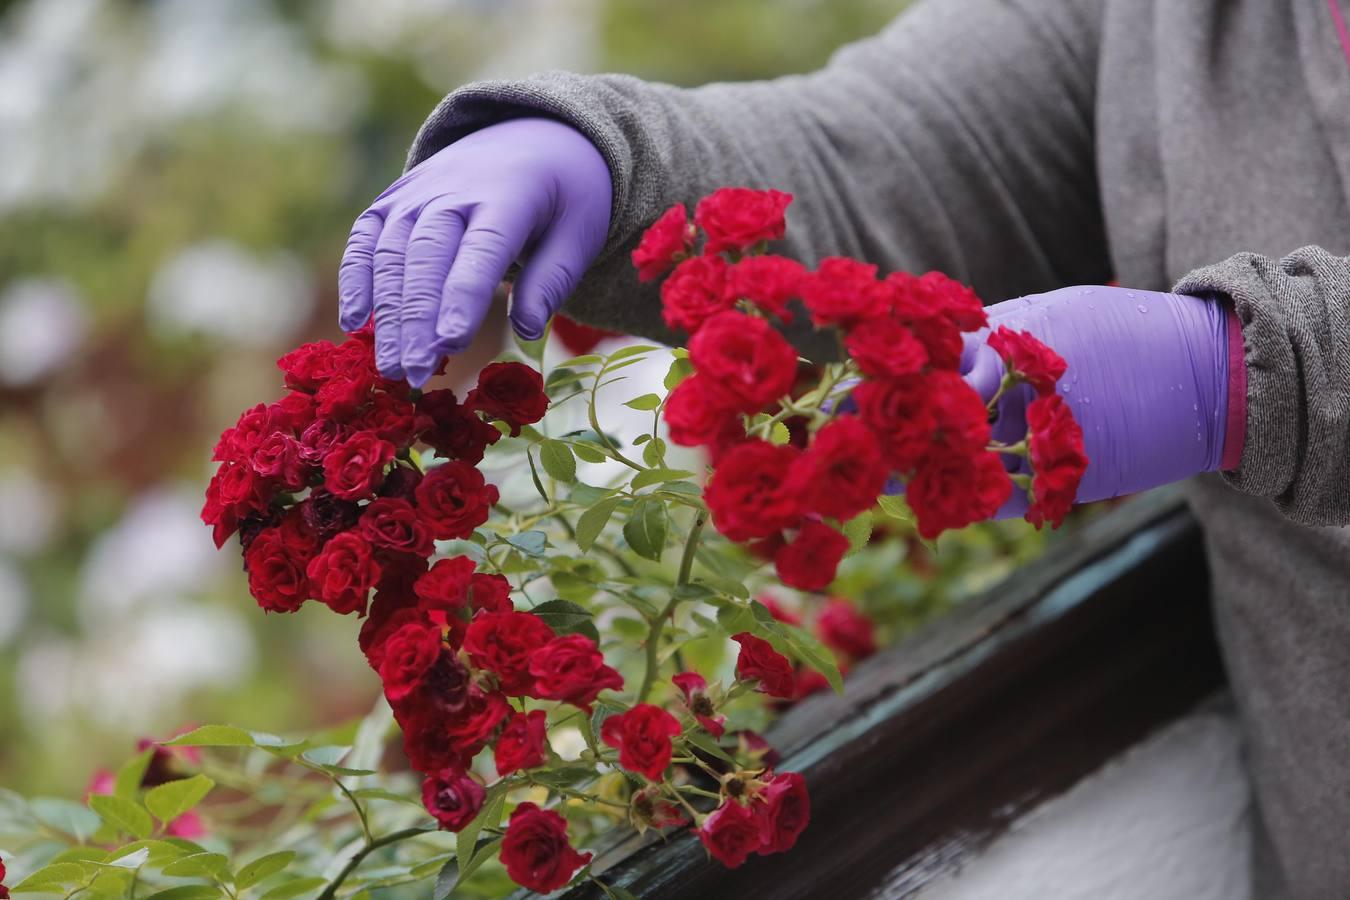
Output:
(959, 139)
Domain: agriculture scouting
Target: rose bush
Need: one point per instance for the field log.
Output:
(539, 650)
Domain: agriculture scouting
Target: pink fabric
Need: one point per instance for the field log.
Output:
(1341, 31)
(1235, 432)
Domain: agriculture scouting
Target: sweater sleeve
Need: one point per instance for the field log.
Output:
(960, 138)
(1295, 315)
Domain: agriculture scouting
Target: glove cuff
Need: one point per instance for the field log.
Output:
(1235, 430)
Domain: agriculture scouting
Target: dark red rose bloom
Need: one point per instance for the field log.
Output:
(276, 563)
(394, 525)
(884, 348)
(447, 686)
(349, 382)
(920, 415)
(758, 661)
(234, 493)
(642, 737)
(1028, 359)
(649, 809)
(390, 611)
(951, 491)
(523, 743)
(749, 493)
(388, 417)
(535, 850)
(307, 366)
(427, 741)
(954, 301)
(696, 700)
(408, 654)
(320, 437)
(453, 798)
(444, 589)
(483, 714)
(809, 561)
(292, 413)
(401, 482)
(745, 360)
(4, 891)
(842, 471)
(453, 500)
(343, 573)
(961, 416)
(663, 244)
(732, 832)
(695, 292)
(572, 670)
(843, 292)
(504, 643)
(454, 431)
(737, 218)
(327, 515)
(935, 316)
(768, 282)
(491, 593)
(806, 682)
(845, 630)
(510, 391)
(354, 469)
(576, 338)
(785, 810)
(696, 417)
(1058, 460)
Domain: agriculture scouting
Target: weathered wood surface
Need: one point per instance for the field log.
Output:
(940, 742)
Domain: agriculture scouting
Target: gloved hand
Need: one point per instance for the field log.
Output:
(1147, 380)
(428, 254)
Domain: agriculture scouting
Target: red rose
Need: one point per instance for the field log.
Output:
(350, 381)
(1057, 459)
(662, 244)
(695, 292)
(697, 701)
(572, 670)
(306, 366)
(504, 643)
(510, 391)
(453, 798)
(238, 442)
(731, 833)
(490, 592)
(768, 282)
(843, 628)
(922, 414)
(448, 688)
(842, 471)
(483, 713)
(389, 612)
(1028, 359)
(278, 458)
(327, 515)
(809, 562)
(427, 741)
(883, 348)
(843, 292)
(354, 469)
(292, 413)
(452, 430)
(389, 418)
(642, 736)
(932, 315)
(745, 360)
(758, 661)
(453, 499)
(736, 218)
(393, 524)
(320, 437)
(806, 682)
(954, 301)
(408, 654)
(234, 492)
(749, 493)
(961, 416)
(778, 610)
(523, 743)
(648, 809)
(696, 417)
(444, 589)
(276, 568)
(951, 491)
(535, 850)
(343, 573)
(576, 338)
(785, 811)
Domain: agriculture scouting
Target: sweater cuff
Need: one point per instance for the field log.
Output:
(1235, 429)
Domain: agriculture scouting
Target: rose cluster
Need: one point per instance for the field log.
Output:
(897, 407)
(331, 505)
(4, 891)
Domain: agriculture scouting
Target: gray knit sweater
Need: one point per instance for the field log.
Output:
(1025, 145)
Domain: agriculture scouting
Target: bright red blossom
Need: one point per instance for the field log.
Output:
(1058, 462)
(745, 360)
(453, 798)
(844, 629)
(1028, 359)
(504, 643)
(535, 850)
(758, 661)
(523, 743)
(642, 736)
(954, 491)
(808, 562)
(571, 669)
(663, 244)
(736, 218)
(842, 471)
(343, 573)
(510, 391)
(749, 494)
(695, 292)
(732, 832)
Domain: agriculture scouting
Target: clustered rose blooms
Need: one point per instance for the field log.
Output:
(916, 418)
(766, 815)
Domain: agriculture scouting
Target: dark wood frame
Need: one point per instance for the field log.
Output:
(940, 742)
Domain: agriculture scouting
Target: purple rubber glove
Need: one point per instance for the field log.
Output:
(1147, 380)
(428, 254)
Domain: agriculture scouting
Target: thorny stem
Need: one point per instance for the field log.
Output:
(359, 856)
(654, 638)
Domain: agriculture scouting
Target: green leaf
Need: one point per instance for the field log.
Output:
(654, 454)
(646, 402)
(188, 892)
(558, 461)
(896, 507)
(327, 758)
(708, 744)
(577, 362)
(589, 451)
(563, 616)
(488, 817)
(646, 528)
(735, 618)
(65, 816)
(132, 860)
(600, 713)
(813, 653)
(263, 867)
(294, 888)
(382, 794)
(534, 476)
(226, 736)
(779, 434)
(80, 855)
(680, 369)
(171, 800)
(593, 521)
(129, 777)
(634, 350)
(531, 543)
(657, 476)
(51, 876)
(198, 865)
(858, 530)
(568, 775)
(125, 815)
